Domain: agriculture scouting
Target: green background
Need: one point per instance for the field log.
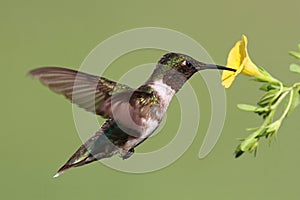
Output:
(37, 129)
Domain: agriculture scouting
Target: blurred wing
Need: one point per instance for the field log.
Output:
(85, 90)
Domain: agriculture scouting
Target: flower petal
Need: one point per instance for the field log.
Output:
(227, 81)
(235, 59)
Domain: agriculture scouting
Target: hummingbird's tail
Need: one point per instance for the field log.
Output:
(104, 143)
(61, 170)
(81, 157)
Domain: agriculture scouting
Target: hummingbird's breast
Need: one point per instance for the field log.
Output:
(164, 95)
(147, 112)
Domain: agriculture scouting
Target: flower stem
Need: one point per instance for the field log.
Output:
(288, 106)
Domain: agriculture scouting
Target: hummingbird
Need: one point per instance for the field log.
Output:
(132, 115)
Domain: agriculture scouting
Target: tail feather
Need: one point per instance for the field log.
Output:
(80, 157)
(103, 144)
(69, 165)
(61, 170)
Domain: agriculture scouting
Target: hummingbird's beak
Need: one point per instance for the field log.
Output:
(203, 66)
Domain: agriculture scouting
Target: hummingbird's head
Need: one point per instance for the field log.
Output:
(175, 69)
(187, 65)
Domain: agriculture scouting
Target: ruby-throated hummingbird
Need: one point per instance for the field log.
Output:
(132, 114)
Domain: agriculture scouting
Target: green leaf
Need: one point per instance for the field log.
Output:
(252, 129)
(295, 68)
(295, 54)
(249, 144)
(273, 127)
(269, 86)
(264, 111)
(265, 100)
(238, 152)
(247, 107)
(266, 87)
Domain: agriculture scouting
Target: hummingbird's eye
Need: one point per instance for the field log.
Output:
(186, 63)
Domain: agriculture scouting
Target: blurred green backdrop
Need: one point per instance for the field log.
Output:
(38, 133)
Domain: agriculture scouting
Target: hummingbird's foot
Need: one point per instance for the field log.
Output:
(127, 154)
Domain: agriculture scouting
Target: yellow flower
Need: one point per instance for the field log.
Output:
(239, 59)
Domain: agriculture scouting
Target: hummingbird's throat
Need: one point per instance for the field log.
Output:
(163, 91)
